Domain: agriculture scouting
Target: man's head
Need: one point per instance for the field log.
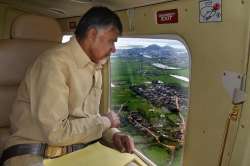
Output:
(97, 32)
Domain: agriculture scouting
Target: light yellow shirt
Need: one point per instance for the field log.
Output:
(58, 100)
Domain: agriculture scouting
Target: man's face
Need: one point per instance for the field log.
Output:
(103, 44)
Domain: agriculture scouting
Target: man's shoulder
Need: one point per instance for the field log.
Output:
(58, 54)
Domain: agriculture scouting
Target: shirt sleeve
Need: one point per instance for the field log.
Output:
(49, 94)
(108, 134)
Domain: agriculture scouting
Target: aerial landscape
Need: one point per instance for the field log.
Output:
(150, 85)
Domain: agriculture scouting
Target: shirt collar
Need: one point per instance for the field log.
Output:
(81, 58)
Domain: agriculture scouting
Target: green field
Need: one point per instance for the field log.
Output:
(157, 154)
(126, 72)
(137, 72)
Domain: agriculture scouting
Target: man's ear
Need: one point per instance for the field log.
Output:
(91, 34)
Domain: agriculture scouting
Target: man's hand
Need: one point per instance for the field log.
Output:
(123, 142)
(114, 119)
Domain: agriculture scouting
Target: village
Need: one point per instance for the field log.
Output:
(163, 95)
(152, 100)
(167, 132)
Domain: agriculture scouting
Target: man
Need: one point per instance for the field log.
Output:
(57, 104)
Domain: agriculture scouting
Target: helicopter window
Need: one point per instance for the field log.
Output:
(149, 90)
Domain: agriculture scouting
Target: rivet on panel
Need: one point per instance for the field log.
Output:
(186, 10)
(242, 126)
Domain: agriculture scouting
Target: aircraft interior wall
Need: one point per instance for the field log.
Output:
(215, 48)
(241, 150)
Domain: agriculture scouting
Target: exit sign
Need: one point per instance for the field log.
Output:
(167, 16)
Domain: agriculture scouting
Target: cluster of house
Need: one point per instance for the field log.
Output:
(163, 95)
(171, 98)
(169, 137)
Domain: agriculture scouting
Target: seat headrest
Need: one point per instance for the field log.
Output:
(36, 28)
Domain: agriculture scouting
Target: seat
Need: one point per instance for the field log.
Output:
(30, 36)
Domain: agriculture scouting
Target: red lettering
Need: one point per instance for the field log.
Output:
(167, 16)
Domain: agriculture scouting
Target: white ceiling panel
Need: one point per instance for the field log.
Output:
(70, 8)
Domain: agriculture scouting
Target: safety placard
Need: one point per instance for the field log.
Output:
(210, 11)
(167, 16)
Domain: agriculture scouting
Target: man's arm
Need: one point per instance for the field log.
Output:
(115, 139)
